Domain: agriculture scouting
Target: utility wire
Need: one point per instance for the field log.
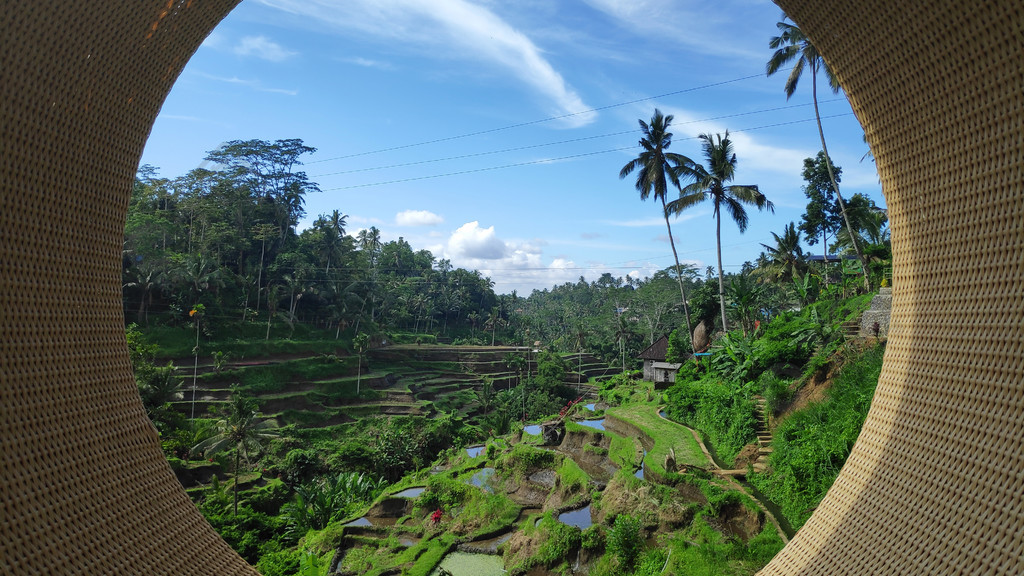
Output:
(556, 143)
(539, 121)
(557, 159)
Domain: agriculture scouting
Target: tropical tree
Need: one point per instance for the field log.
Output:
(485, 395)
(822, 218)
(746, 297)
(158, 388)
(361, 343)
(786, 259)
(238, 429)
(494, 320)
(515, 362)
(711, 182)
(656, 169)
(870, 226)
(326, 499)
(145, 277)
(332, 233)
(793, 46)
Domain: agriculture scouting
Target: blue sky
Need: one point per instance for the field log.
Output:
(492, 133)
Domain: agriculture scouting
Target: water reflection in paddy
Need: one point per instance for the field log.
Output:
(595, 424)
(532, 429)
(410, 492)
(578, 518)
(369, 521)
(482, 479)
(640, 472)
(467, 564)
(474, 451)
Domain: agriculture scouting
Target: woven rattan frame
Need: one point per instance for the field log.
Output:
(934, 484)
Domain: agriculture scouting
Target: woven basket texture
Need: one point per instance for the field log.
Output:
(935, 484)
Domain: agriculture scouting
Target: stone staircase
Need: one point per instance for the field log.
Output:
(764, 435)
(851, 328)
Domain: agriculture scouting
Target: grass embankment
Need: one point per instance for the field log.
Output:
(812, 444)
(241, 340)
(663, 434)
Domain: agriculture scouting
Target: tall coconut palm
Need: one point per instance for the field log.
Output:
(238, 428)
(656, 171)
(792, 46)
(712, 183)
(786, 258)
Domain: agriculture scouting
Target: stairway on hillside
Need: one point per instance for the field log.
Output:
(764, 435)
(851, 328)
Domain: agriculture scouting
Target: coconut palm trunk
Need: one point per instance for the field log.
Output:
(711, 182)
(679, 274)
(656, 170)
(793, 46)
(721, 276)
(835, 185)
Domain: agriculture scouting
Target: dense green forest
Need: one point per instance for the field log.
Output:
(224, 241)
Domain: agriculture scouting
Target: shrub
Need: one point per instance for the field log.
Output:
(524, 458)
(775, 390)
(442, 492)
(593, 538)
(722, 410)
(277, 562)
(300, 466)
(625, 542)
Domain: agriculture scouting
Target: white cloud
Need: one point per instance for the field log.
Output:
(451, 28)
(253, 84)
(472, 241)
(657, 221)
(181, 117)
(418, 218)
(263, 47)
(367, 63)
(691, 23)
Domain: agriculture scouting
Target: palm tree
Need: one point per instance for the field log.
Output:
(791, 45)
(333, 232)
(494, 320)
(711, 182)
(147, 280)
(786, 258)
(238, 428)
(361, 343)
(656, 171)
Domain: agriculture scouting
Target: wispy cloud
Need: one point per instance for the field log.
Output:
(452, 28)
(181, 117)
(262, 47)
(253, 84)
(690, 23)
(657, 221)
(753, 153)
(367, 63)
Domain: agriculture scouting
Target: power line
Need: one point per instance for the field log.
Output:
(551, 160)
(539, 121)
(559, 142)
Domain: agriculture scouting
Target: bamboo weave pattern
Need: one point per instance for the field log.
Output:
(934, 484)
